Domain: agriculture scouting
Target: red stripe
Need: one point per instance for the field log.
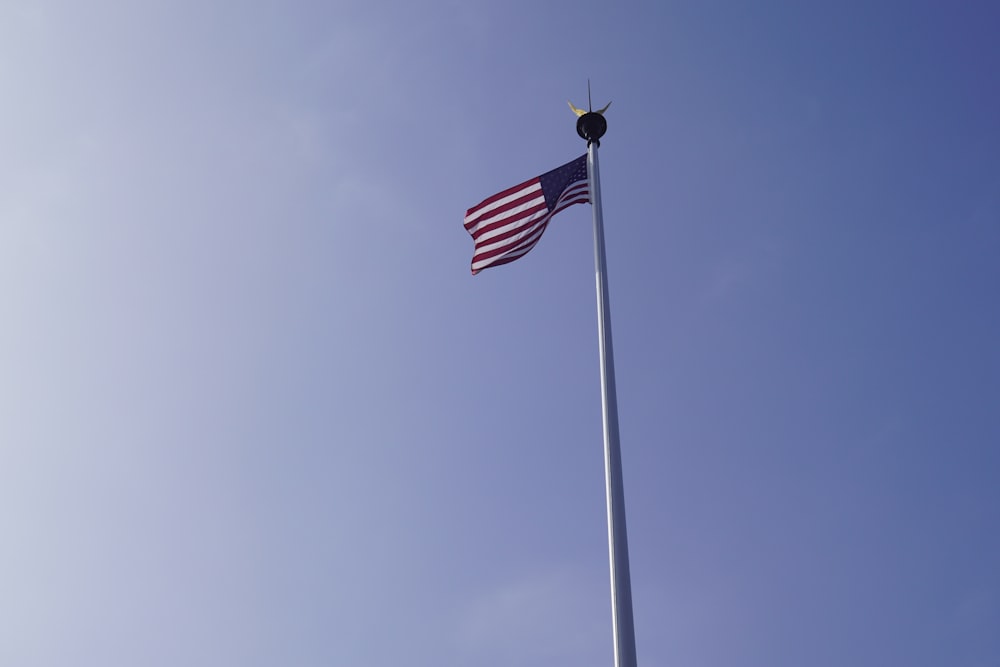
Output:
(528, 240)
(521, 200)
(511, 219)
(501, 195)
(502, 261)
(499, 262)
(522, 249)
(519, 248)
(511, 232)
(512, 254)
(585, 199)
(472, 225)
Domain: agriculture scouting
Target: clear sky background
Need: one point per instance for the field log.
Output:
(255, 411)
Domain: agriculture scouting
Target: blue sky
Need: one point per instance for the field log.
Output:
(255, 411)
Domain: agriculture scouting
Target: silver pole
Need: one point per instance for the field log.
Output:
(621, 585)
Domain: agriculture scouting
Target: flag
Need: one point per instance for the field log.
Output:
(510, 223)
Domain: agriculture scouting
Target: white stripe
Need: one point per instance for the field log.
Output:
(526, 244)
(569, 192)
(515, 240)
(513, 224)
(580, 187)
(573, 195)
(517, 211)
(582, 198)
(479, 212)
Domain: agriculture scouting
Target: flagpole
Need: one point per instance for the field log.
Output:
(592, 126)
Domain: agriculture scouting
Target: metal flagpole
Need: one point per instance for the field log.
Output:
(592, 126)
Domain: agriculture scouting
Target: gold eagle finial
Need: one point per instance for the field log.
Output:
(580, 112)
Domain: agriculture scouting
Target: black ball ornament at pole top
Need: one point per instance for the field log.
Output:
(591, 126)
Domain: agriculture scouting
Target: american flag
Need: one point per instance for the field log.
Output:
(510, 223)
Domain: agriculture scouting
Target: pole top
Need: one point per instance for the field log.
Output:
(591, 125)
